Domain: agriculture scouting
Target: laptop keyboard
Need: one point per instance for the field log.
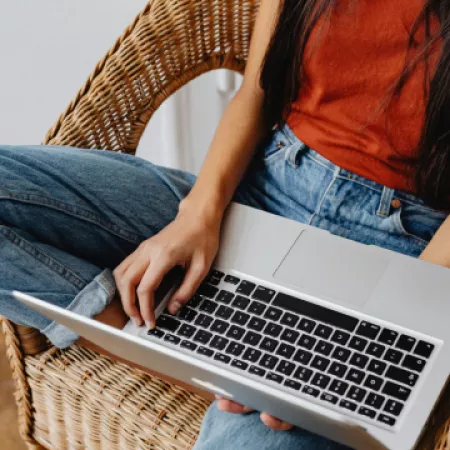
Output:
(356, 366)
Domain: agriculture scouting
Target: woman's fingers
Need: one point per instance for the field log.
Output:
(197, 270)
(127, 283)
(275, 424)
(147, 287)
(230, 406)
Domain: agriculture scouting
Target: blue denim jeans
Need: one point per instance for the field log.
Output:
(68, 217)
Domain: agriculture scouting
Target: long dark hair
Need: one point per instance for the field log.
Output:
(282, 73)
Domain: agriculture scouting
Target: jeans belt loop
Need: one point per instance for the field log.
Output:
(385, 202)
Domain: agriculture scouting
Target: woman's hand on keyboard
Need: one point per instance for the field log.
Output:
(235, 408)
(190, 241)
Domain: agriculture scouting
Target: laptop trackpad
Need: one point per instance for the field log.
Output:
(339, 269)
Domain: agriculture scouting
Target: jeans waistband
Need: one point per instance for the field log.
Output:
(388, 194)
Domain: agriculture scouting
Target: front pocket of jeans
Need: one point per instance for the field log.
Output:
(417, 222)
(275, 145)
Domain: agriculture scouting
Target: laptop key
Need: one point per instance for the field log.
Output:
(373, 382)
(356, 393)
(324, 348)
(329, 398)
(172, 339)
(355, 376)
(273, 314)
(195, 301)
(203, 320)
(219, 326)
(274, 377)
(216, 274)
(252, 338)
(273, 329)
(396, 391)
(359, 360)
(386, 419)
(340, 337)
(393, 407)
(219, 342)
(186, 330)
(367, 412)
(240, 318)
(348, 405)
(245, 288)
(285, 350)
(251, 355)
(241, 302)
(224, 312)
(307, 341)
(239, 364)
(255, 323)
(303, 374)
(235, 349)
(206, 290)
(341, 354)
(263, 294)
(168, 323)
(222, 358)
(208, 306)
(309, 390)
(320, 363)
(268, 362)
(413, 363)
(205, 351)
(224, 297)
(320, 380)
(187, 314)
(337, 369)
(357, 343)
(203, 336)
(254, 370)
(236, 332)
(374, 400)
(256, 308)
(156, 332)
(306, 325)
(188, 345)
(285, 367)
(402, 375)
(289, 335)
(388, 336)
(323, 331)
(393, 356)
(289, 319)
(303, 356)
(338, 387)
(268, 344)
(424, 349)
(375, 349)
(376, 366)
(231, 279)
(405, 343)
(292, 384)
(368, 330)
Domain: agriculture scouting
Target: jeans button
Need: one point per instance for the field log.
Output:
(396, 203)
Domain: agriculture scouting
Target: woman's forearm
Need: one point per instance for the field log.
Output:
(438, 250)
(236, 138)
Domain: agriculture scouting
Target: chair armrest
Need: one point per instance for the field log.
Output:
(170, 43)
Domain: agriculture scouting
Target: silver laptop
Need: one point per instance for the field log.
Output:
(343, 339)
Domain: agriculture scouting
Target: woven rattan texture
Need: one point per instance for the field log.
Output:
(76, 399)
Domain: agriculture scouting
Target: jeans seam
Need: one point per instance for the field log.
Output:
(42, 257)
(74, 211)
(327, 190)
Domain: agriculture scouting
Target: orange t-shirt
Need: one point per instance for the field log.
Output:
(352, 61)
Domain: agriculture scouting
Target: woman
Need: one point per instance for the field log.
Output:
(341, 122)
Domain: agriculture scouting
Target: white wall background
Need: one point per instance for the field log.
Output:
(47, 50)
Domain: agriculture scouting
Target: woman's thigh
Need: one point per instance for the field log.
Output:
(96, 205)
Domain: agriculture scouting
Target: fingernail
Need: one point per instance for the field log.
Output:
(175, 306)
(149, 324)
(136, 321)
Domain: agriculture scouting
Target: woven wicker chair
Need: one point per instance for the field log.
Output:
(76, 399)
